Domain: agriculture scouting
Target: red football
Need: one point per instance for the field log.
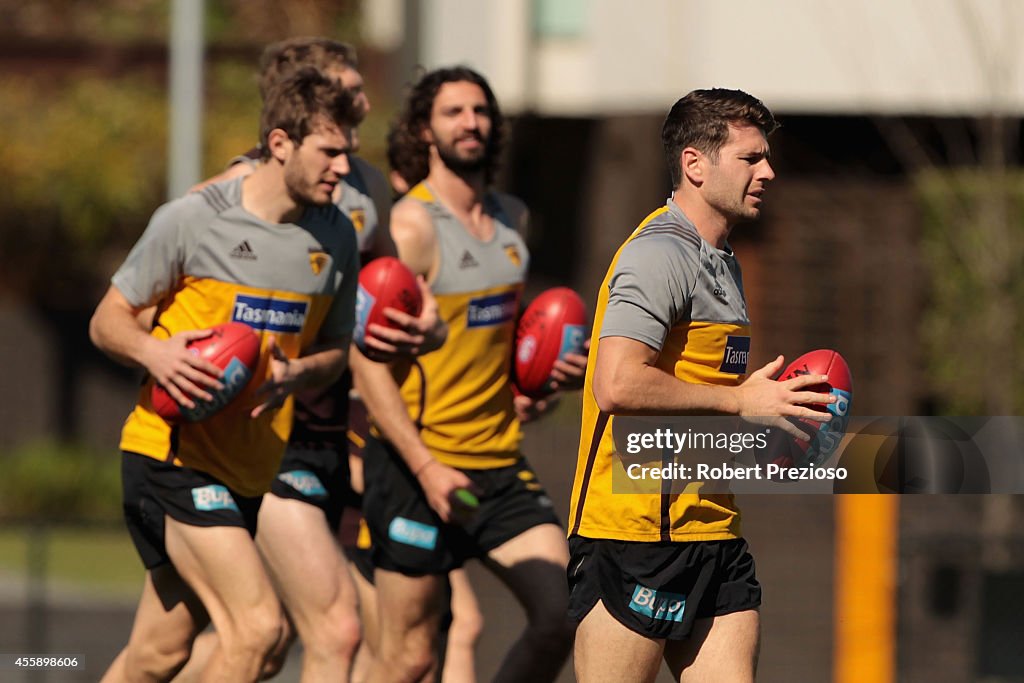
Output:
(384, 282)
(233, 347)
(553, 325)
(825, 437)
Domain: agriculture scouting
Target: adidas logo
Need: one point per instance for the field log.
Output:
(244, 251)
(468, 261)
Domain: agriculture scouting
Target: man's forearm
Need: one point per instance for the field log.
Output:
(384, 402)
(321, 368)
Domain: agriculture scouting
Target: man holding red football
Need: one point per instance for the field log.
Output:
(319, 478)
(667, 575)
(464, 433)
(272, 251)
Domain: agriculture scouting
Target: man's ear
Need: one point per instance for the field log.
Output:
(426, 135)
(280, 145)
(693, 164)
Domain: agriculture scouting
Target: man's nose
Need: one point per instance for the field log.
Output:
(340, 165)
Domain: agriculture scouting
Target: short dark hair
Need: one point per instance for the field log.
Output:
(282, 59)
(415, 118)
(300, 102)
(701, 120)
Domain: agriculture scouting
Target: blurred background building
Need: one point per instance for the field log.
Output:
(893, 233)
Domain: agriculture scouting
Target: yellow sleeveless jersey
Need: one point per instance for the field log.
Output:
(204, 260)
(460, 395)
(671, 290)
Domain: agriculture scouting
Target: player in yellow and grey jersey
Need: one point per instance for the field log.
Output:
(460, 395)
(666, 288)
(666, 575)
(271, 251)
(455, 426)
(300, 515)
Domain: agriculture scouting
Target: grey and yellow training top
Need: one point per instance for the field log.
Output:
(674, 292)
(460, 395)
(205, 260)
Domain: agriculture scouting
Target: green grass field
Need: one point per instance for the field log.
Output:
(96, 561)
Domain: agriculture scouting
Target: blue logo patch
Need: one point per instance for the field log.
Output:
(492, 310)
(572, 340)
(236, 377)
(413, 533)
(305, 482)
(213, 497)
(273, 315)
(830, 433)
(659, 605)
(734, 360)
(364, 304)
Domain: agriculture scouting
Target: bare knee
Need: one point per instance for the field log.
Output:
(155, 661)
(467, 625)
(255, 633)
(413, 660)
(336, 636)
(279, 654)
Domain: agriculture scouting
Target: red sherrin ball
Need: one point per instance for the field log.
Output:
(234, 348)
(825, 437)
(384, 282)
(553, 325)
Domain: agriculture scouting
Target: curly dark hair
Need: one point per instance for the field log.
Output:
(406, 137)
(404, 159)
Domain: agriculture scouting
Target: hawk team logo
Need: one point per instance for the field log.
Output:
(513, 254)
(318, 260)
(358, 218)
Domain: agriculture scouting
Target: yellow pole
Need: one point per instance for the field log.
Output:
(865, 588)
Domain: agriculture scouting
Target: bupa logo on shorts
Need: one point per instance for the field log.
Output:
(492, 310)
(412, 533)
(734, 360)
(304, 481)
(660, 605)
(213, 497)
(273, 315)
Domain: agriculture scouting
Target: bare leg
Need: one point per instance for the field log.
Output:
(409, 608)
(167, 620)
(370, 645)
(533, 566)
(312, 579)
(608, 652)
(224, 569)
(722, 649)
(467, 623)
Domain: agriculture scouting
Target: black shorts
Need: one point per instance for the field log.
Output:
(409, 538)
(154, 488)
(317, 477)
(659, 589)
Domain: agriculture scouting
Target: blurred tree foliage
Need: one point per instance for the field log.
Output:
(85, 113)
(88, 160)
(973, 246)
(57, 482)
(131, 21)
